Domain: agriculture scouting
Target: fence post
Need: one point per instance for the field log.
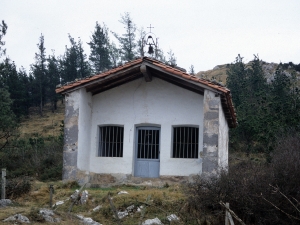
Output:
(228, 217)
(3, 182)
(226, 214)
(51, 194)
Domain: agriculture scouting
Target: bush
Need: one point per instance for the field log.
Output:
(40, 157)
(257, 193)
(16, 187)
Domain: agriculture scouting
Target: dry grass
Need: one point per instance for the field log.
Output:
(163, 202)
(47, 125)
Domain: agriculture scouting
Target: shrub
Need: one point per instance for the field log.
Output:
(16, 187)
(257, 193)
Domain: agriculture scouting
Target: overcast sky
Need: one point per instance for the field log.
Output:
(200, 33)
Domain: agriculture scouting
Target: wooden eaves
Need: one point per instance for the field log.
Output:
(148, 68)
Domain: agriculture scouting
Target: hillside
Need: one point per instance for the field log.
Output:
(47, 125)
(218, 73)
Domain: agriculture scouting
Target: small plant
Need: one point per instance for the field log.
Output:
(166, 185)
(70, 184)
(16, 187)
(34, 215)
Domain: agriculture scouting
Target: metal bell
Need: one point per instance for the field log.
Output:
(150, 50)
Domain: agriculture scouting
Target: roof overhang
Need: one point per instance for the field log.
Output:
(148, 68)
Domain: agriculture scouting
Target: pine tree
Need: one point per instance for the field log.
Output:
(15, 82)
(171, 58)
(236, 80)
(8, 124)
(84, 69)
(54, 79)
(3, 28)
(249, 93)
(74, 62)
(285, 99)
(115, 55)
(99, 44)
(192, 70)
(140, 42)
(127, 40)
(39, 70)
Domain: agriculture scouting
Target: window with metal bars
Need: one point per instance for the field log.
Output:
(185, 142)
(111, 141)
(148, 144)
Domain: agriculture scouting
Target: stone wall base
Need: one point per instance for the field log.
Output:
(96, 180)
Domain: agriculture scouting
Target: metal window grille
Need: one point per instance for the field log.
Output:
(148, 144)
(185, 142)
(111, 141)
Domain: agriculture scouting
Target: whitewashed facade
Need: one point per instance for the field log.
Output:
(147, 101)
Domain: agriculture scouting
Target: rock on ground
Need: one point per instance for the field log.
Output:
(97, 208)
(5, 202)
(48, 215)
(84, 197)
(17, 217)
(152, 222)
(172, 217)
(88, 220)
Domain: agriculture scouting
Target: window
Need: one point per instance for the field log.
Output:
(148, 143)
(111, 141)
(185, 142)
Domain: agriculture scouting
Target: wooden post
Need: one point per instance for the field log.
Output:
(3, 182)
(51, 195)
(228, 217)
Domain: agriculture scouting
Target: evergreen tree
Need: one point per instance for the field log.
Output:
(236, 80)
(285, 99)
(54, 79)
(84, 69)
(69, 62)
(127, 41)
(74, 62)
(15, 82)
(140, 42)
(192, 70)
(3, 28)
(115, 55)
(40, 73)
(8, 124)
(263, 109)
(171, 58)
(25, 96)
(249, 93)
(99, 44)
(159, 55)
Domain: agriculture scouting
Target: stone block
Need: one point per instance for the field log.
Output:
(70, 158)
(211, 115)
(210, 139)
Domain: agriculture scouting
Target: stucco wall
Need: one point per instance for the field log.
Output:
(70, 154)
(210, 133)
(141, 103)
(84, 133)
(215, 135)
(223, 140)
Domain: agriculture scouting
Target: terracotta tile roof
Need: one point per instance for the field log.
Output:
(80, 82)
(225, 92)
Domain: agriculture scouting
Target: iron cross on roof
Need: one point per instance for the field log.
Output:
(150, 27)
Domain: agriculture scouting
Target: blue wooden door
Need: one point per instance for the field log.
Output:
(147, 152)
